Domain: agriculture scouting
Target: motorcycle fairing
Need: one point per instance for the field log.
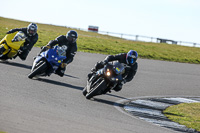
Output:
(11, 48)
(51, 57)
(14, 45)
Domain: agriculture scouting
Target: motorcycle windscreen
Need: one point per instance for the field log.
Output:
(61, 51)
(118, 68)
(53, 58)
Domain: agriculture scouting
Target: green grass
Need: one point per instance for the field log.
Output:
(104, 44)
(187, 114)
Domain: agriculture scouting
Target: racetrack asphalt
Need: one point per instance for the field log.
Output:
(56, 105)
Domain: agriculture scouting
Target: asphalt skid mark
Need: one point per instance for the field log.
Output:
(150, 110)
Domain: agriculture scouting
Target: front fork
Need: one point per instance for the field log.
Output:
(90, 81)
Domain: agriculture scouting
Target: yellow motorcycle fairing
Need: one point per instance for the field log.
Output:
(11, 48)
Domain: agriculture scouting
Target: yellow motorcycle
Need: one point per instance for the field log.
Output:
(10, 45)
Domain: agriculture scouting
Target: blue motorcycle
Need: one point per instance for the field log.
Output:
(48, 62)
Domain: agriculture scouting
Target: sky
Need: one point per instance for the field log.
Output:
(170, 19)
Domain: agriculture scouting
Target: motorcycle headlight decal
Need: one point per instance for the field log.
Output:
(117, 69)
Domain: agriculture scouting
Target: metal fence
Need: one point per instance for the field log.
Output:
(144, 38)
(148, 39)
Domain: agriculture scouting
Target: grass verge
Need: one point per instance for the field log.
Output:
(104, 44)
(187, 114)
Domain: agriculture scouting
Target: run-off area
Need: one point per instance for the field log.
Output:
(150, 110)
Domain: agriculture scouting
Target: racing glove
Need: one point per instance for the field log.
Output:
(44, 48)
(47, 46)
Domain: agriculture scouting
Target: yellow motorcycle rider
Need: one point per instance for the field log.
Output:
(18, 42)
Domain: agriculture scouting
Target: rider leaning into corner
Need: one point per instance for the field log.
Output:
(68, 43)
(129, 59)
(32, 37)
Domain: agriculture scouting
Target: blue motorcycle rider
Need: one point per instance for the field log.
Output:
(67, 42)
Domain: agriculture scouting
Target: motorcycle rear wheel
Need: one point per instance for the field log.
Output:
(37, 70)
(94, 91)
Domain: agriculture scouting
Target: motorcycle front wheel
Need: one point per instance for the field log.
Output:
(38, 70)
(2, 49)
(85, 91)
(101, 84)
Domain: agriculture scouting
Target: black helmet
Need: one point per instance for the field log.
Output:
(32, 29)
(131, 57)
(72, 36)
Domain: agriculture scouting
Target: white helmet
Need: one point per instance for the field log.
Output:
(32, 29)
